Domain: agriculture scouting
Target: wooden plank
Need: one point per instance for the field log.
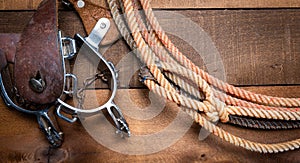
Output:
(167, 4)
(22, 141)
(256, 47)
(225, 4)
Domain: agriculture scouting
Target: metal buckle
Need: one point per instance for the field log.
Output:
(68, 47)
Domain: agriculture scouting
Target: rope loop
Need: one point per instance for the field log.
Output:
(168, 69)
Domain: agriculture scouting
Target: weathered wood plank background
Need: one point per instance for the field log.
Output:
(261, 43)
(259, 48)
(175, 4)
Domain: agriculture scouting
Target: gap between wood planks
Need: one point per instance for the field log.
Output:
(174, 4)
(21, 140)
(256, 47)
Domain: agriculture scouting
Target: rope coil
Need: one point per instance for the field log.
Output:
(204, 103)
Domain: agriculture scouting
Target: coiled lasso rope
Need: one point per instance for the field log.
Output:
(154, 42)
(246, 95)
(156, 46)
(163, 55)
(206, 108)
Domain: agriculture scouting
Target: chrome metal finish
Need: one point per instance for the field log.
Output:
(68, 47)
(98, 32)
(80, 4)
(67, 3)
(44, 121)
(91, 44)
(67, 89)
(74, 116)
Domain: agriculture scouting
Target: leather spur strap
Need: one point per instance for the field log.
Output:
(90, 13)
(7, 58)
(32, 70)
(3, 60)
(38, 68)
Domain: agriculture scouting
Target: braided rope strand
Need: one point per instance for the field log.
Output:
(233, 110)
(148, 57)
(250, 145)
(222, 96)
(207, 107)
(263, 123)
(153, 40)
(247, 95)
(212, 108)
(212, 128)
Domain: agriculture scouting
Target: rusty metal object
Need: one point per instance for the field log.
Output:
(39, 71)
(8, 45)
(38, 56)
(3, 60)
(36, 60)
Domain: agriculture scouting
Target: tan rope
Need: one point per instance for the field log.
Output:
(220, 95)
(233, 110)
(250, 96)
(163, 55)
(212, 128)
(212, 107)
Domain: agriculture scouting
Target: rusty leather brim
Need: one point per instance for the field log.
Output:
(7, 58)
(37, 55)
(43, 112)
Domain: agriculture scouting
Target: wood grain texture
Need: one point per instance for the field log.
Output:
(32, 4)
(22, 141)
(224, 4)
(256, 47)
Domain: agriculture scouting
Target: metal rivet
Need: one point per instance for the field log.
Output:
(80, 4)
(37, 85)
(102, 25)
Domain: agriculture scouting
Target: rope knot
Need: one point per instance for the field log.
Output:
(222, 110)
(216, 110)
